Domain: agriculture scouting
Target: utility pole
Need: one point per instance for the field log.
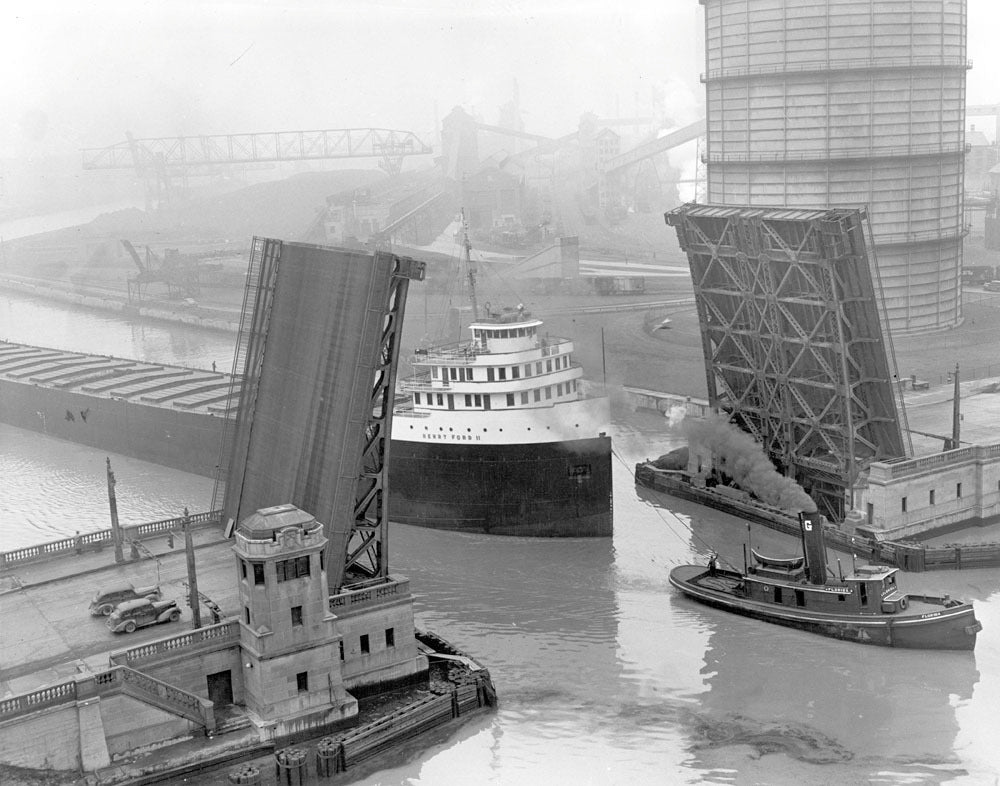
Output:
(194, 599)
(116, 532)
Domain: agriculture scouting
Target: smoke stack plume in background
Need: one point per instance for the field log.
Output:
(739, 456)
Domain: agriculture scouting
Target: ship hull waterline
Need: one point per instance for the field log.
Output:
(951, 628)
(557, 489)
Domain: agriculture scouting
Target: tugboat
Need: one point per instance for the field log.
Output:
(497, 434)
(865, 606)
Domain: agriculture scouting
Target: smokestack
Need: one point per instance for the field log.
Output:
(813, 547)
(956, 415)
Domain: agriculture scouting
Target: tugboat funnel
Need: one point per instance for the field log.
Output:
(813, 547)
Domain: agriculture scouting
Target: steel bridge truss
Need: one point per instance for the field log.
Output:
(367, 545)
(793, 342)
(315, 364)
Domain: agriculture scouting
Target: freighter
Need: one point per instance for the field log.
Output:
(497, 434)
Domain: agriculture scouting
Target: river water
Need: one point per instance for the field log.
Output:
(605, 675)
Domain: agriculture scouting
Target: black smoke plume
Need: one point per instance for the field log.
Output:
(738, 455)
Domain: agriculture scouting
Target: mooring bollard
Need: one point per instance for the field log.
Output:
(248, 773)
(329, 757)
(290, 766)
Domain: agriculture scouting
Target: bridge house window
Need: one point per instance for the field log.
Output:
(489, 375)
(289, 569)
(515, 372)
(527, 373)
(503, 373)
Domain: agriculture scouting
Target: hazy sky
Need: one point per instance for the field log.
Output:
(81, 74)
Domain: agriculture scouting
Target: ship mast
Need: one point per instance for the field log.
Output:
(469, 266)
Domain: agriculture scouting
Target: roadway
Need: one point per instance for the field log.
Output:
(49, 636)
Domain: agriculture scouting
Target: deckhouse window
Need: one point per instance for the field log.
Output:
(538, 395)
(453, 374)
(468, 399)
(902, 505)
(510, 399)
(416, 398)
(527, 373)
(479, 400)
(958, 490)
(489, 374)
(548, 391)
(515, 372)
(503, 375)
(434, 372)
(932, 497)
(538, 367)
(548, 365)
(524, 397)
(440, 399)
(559, 389)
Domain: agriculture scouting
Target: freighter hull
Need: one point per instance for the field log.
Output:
(557, 489)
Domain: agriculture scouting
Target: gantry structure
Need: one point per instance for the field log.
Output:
(316, 362)
(159, 159)
(794, 342)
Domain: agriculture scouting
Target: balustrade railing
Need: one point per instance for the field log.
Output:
(228, 631)
(901, 469)
(100, 538)
(367, 595)
(105, 683)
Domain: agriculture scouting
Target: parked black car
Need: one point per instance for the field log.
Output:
(106, 598)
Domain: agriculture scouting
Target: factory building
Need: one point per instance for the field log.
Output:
(841, 103)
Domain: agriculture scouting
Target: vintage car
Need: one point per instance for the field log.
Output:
(139, 613)
(106, 598)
